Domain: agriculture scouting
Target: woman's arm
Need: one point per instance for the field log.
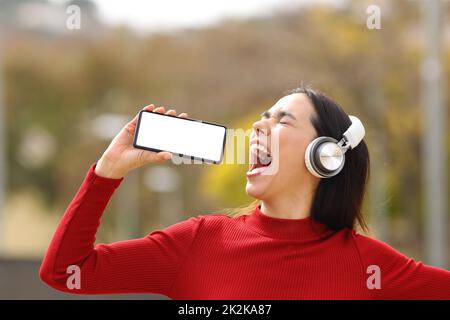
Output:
(401, 277)
(146, 265)
(149, 264)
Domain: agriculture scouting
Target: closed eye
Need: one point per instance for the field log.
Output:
(265, 115)
(283, 123)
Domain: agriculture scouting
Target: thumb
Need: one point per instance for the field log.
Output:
(165, 155)
(158, 157)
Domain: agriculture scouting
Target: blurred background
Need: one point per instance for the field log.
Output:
(68, 85)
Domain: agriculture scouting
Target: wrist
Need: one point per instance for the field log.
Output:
(107, 169)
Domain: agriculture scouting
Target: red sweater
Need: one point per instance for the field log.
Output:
(218, 257)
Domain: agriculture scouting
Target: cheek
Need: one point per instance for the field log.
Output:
(292, 152)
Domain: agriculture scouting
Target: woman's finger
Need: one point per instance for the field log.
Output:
(130, 126)
(171, 112)
(183, 115)
(159, 110)
(150, 107)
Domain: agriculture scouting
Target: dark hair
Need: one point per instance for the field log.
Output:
(338, 200)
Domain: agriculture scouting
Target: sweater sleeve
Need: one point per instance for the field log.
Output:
(146, 265)
(401, 277)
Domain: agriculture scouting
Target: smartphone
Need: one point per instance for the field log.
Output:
(184, 137)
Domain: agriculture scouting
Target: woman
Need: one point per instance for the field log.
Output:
(297, 241)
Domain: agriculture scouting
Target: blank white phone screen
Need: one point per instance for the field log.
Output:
(179, 136)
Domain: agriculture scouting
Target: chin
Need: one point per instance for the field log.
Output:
(256, 191)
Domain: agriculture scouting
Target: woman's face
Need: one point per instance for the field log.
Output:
(288, 124)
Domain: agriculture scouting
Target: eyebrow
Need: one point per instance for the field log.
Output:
(280, 114)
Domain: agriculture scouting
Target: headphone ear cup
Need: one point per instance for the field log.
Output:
(309, 159)
(313, 159)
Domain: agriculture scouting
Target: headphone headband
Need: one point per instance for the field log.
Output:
(355, 133)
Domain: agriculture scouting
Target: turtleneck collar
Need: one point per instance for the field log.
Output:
(305, 229)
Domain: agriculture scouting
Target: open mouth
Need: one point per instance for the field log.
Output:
(260, 159)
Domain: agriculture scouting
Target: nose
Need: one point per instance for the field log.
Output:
(262, 127)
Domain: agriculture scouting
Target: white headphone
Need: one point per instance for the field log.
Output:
(325, 156)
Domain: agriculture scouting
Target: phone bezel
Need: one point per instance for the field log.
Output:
(178, 154)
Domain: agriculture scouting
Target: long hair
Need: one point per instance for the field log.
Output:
(338, 200)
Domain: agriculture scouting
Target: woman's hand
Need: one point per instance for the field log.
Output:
(121, 157)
